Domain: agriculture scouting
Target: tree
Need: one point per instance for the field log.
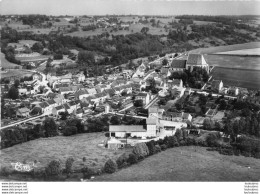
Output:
(58, 56)
(68, 165)
(86, 57)
(2, 107)
(110, 166)
(13, 93)
(144, 30)
(16, 83)
(37, 47)
(179, 135)
(162, 102)
(132, 158)
(208, 124)
(53, 168)
(138, 103)
(141, 150)
(115, 120)
(70, 130)
(122, 160)
(49, 127)
(64, 115)
(178, 106)
(164, 62)
(222, 104)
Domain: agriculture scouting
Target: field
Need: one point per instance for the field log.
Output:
(6, 64)
(38, 30)
(186, 164)
(234, 47)
(255, 52)
(33, 58)
(16, 73)
(46, 149)
(132, 29)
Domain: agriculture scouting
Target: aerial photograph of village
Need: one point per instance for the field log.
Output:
(121, 91)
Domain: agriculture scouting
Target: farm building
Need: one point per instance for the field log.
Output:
(150, 130)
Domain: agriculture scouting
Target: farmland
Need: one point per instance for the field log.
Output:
(247, 52)
(6, 64)
(189, 164)
(211, 50)
(16, 73)
(45, 150)
(134, 28)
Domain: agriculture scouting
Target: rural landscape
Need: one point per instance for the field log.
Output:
(130, 97)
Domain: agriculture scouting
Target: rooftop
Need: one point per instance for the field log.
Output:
(127, 128)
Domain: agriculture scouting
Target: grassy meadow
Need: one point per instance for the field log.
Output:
(45, 150)
(189, 164)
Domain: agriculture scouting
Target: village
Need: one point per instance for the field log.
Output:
(146, 92)
(129, 98)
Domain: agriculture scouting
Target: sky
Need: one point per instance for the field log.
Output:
(140, 7)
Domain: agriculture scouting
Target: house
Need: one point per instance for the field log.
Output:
(65, 90)
(165, 72)
(117, 83)
(198, 121)
(51, 103)
(79, 113)
(186, 117)
(169, 127)
(136, 86)
(175, 93)
(139, 73)
(187, 91)
(58, 109)
(80, 94)
(114, 144)
(172, 116)
(22, 91)
(51, 95)
(92, 91)
(233, 91)
(177, 83)
(145, 97)
(196, 60)
(59, 99)
(177, 65)
(110, 92)
(37, 76)
(217, 85)
(44, 106)
(23, 112)
(79, 77)
(155, 112)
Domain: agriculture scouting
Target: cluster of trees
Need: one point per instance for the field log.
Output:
(34, 20)
(72, 127)
(224, 20)
(243, 118)
(194, 79)
(88, 28)
(10, 55)
(16, 135)
(13, 92)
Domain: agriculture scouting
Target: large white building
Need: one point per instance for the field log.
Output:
(151, 129)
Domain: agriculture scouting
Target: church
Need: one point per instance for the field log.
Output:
(196, 60)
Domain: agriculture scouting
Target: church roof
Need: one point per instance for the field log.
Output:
(178, 64)
(196, 59)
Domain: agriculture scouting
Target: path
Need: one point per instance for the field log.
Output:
(23, 121)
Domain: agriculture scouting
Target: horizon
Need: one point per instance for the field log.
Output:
(129, 7)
